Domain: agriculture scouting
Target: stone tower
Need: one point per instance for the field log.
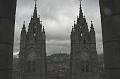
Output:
(32, 56)
(84, 59)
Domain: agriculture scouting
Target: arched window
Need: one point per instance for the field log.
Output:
(33, 66)
(82, 68)
(84, 41)
(87, 68)
(29, 66)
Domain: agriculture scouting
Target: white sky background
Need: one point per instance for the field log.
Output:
(58, 17)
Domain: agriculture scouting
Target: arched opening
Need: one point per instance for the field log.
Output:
(29, 66)
(82, 68)
(33, 66)
(87, 68)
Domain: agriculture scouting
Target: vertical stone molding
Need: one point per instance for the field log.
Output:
(7, 22)
(110, 17)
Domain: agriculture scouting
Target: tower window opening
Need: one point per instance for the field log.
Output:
(82, 68)
(29, 66)
(84, 41)
(87, 68)
(33, 66)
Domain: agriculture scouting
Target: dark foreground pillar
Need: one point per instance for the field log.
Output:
(110, 15)
(7, 21)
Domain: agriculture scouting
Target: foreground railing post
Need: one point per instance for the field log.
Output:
(110, 17)
(7, 22)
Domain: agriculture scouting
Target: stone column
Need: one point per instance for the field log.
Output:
(110, 17)
(7, 21)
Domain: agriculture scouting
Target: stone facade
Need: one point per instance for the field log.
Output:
(84, 58)
(32, 56)
(58, 66)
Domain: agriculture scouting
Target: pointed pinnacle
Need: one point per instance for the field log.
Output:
(24, 25)
(43, 28)
(92, 25)
(24, 22)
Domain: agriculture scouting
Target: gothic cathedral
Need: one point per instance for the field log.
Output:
(33, 49)
(84, 58)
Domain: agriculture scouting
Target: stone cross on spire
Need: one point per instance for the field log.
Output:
(80, 2)
(35, 1)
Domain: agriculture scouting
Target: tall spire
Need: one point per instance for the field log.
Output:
(35, 10)
(80, 12)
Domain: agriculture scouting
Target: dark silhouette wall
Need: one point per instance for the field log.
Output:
(110, 17)
(7, 21)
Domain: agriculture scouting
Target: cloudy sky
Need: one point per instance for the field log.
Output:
(58, 17)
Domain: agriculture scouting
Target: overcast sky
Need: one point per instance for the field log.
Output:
(58, 17)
